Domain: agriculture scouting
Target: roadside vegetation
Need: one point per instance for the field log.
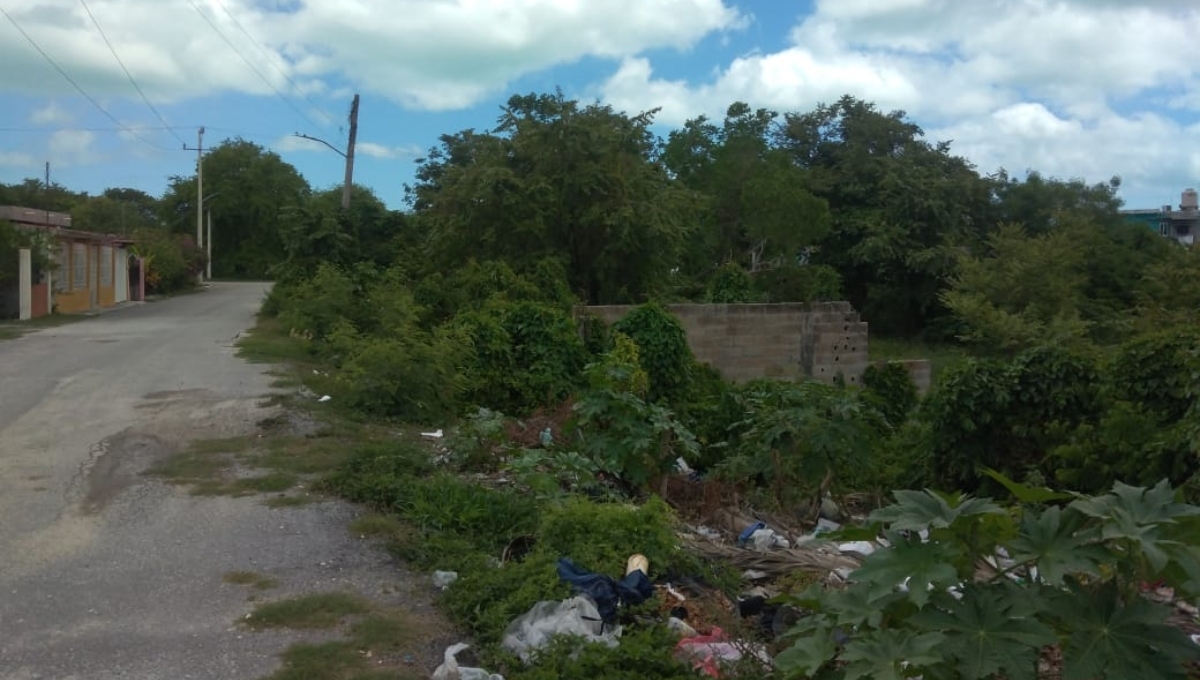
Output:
(492, 429)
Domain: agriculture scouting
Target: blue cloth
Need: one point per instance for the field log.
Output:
(745, 535)
(607, 592)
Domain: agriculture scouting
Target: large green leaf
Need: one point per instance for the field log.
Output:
(1027, 494)
(908, 561)
(989, 630)
(1137, 514)
(891, 654)
(1055, 542)
(808, 654)
(918, 510)
(1115, 641)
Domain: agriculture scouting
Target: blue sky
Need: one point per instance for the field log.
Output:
(1072, 88)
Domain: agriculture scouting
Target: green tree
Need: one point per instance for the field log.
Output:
(758, 209)
(253, 190)
(1027, 290)
(558, 179)
(901, 207)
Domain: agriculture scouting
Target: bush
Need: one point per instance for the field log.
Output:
(730, 284)
(412, 376)
(891, 390)
(525, 355)
(314, 307)
(662, 349)
(1076, 582)
(801, 438)
(799, 283)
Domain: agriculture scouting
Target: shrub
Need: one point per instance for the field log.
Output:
(1071, 577)
(525, 355)
(413, 376)
(1008, 415)
(801, 438)
(799, 283)
(662, 349)
(315, 306)
(730, 284)
(891, 390)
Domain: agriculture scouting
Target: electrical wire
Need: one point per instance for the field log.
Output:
(241, 56)
(267, 55)
(74, 84)
(129, 75)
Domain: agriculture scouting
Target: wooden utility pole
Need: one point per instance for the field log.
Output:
(348, 154)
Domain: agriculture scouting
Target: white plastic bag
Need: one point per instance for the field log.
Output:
(577, 616)
(450, 670)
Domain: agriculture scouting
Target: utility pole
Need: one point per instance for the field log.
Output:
(199, 187)
(348, 154)
(47, 192)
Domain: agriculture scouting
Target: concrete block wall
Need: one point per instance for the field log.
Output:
(789, 340)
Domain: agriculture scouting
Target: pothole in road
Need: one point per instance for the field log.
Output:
(116, 466)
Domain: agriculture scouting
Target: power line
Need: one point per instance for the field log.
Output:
(128, 74)
(74, 84)
(248, 63)
(266, 54)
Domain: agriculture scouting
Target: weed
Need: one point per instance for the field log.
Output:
(319, 610)
(383, 631)
(324, 661)
(249, 578)
(272, 482)
(269, 343)
(382, 526)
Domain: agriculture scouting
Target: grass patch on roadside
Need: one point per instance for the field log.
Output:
(269, 342)
(282, 501)
(11, 330)
(306, 612)
(249, 578)
(380, 526)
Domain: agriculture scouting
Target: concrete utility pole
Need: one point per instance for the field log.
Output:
(199, 188)
(348, 154)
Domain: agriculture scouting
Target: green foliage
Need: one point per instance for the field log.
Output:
(1068, 576)
(730, 284)
(314, 307)
(620, 369)
(890, 389)
(526, 355)
(13, 240)
(413, 376)
(614, 531)
(799, 283)
(1008, 415)
(663, 350)
(801, 438)
(1027, 291)
(560, 179)
(629, 438)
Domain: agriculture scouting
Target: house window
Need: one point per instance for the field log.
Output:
(78, 266)
(106, 257)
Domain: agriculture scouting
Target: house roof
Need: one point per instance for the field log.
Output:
(57, 224)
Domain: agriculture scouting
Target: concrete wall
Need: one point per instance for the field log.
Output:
(789, 340)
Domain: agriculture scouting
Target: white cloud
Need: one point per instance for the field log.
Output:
(50, 114)
(15, 159)
(433, 54)
(1020, 83)
(382, 151)
(72, 148)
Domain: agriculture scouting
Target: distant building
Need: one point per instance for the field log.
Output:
(1180, 225)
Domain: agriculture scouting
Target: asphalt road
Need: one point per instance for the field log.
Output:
(106, 573)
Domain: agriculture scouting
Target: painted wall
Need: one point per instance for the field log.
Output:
(791, 340)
